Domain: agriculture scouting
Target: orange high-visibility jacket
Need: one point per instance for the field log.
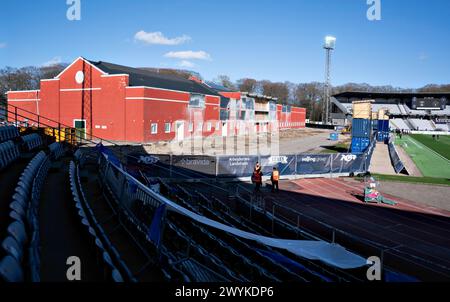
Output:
(275, 175)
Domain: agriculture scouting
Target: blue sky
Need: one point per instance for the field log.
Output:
(264, 39)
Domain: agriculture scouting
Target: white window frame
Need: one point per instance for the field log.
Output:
(200, 126)
(165, 127)
(155, 130)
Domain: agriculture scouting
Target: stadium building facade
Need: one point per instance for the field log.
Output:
(407, 111)
(122, 103)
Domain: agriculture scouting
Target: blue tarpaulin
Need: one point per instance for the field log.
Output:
(395, 159)
(154, 232)
(109, 154)
(293, 265)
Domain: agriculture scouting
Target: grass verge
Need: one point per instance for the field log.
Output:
(411, 179)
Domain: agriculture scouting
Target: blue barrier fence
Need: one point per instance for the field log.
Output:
(395, 159)
(192, 166)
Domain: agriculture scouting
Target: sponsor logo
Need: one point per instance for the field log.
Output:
(195, 162)
(148, 160)
(278, 160)
(310, 159)
(348, 157)
(239, 161)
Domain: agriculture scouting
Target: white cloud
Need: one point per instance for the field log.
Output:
(187, 64)
(52, 62)
(159, 39)
(2, 45)
(188, 55)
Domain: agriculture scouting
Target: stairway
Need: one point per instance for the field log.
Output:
(61, 234)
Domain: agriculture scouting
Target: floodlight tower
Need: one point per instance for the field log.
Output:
(330, 43)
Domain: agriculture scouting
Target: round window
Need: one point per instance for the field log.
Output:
(79, 77)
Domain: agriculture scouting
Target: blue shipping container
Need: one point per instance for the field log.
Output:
(360, 144)
(383, 136)
(374, 124)
(383, 130)
(361, 128)
(383, 126)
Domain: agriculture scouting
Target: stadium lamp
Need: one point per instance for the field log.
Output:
(330, 42)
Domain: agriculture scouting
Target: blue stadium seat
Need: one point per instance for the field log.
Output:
(15, 216)
(22, 191)
(17, 230)
(17, 207)
(20, 199)
(108, 260)
(10, 270)
(8, 153)
(82, 214)
(11, 246)
(116, 276)
(92, 232)
(56, 150)
(85, 222)
(24, 186)
(32, 141)
(99, 244)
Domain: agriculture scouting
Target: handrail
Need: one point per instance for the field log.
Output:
(39, 121)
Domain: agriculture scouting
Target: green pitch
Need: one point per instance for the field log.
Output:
(441, 146)
(430, 161)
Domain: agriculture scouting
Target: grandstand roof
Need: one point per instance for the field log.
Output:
(375, 95)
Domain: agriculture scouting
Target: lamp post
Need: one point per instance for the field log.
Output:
(330, 43)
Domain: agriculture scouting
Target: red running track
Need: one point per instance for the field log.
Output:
(415, 237)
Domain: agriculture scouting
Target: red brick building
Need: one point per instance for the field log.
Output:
(128, 104)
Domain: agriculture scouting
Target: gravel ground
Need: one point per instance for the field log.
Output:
(431, 195)
(290, 142)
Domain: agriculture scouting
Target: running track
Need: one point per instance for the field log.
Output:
(415, 237)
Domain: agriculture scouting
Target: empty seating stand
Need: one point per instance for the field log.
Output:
(32, 141)
(115, 269)
(56, 150)
(8, 133)
(22, 232)
(9, 152)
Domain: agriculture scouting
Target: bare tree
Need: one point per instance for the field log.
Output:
(310, 96)
(278, 90)
(247, 85)
(435, 88)
(225, 81)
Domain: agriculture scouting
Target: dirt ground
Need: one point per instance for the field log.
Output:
(287, 142)
(429, 195)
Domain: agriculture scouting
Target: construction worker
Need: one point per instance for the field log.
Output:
(275, 178)
(257, 177)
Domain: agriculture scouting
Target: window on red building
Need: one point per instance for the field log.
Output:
(154, 128)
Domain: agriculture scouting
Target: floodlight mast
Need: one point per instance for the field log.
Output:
(330, 43)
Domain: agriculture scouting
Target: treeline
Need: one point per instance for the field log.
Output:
(311, 95)
(308, 95)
